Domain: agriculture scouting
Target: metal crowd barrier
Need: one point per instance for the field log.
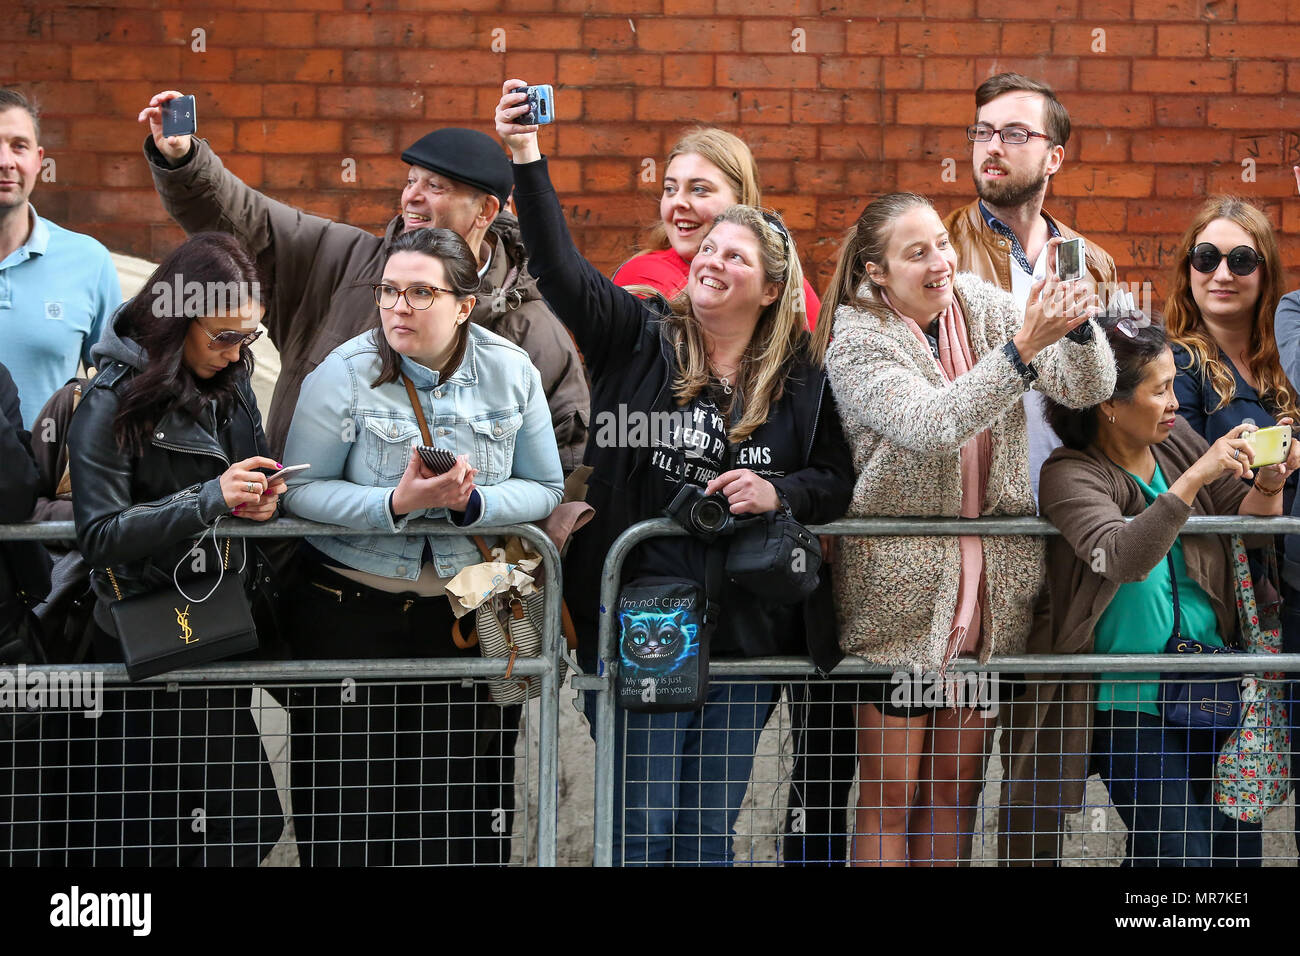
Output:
(427, 674)
(796, 674)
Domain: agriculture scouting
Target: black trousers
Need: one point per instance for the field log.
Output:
(393, 773)
(161, 778)
(825, 766)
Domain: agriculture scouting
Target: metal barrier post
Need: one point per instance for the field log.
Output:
(547, 665)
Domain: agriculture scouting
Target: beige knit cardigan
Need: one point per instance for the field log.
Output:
(895, 596)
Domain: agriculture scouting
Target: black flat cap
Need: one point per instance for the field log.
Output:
(467, 156)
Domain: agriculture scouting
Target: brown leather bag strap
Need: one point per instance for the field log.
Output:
(461, 641)
(417, 408)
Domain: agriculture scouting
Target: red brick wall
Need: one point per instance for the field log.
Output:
(1184, 92)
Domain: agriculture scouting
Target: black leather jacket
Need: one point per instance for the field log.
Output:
(141, 514)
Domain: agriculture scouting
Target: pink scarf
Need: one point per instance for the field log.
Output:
(955, 360)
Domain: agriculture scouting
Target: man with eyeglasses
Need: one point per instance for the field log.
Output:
(57, 288)
(1018, 141)
(321, 272)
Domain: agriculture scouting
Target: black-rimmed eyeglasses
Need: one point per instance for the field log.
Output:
(1011, 135)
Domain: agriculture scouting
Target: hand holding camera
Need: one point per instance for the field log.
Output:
(172, 119)
(710, 513)
(421, 489)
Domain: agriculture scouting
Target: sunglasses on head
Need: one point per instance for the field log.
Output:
(1242, 261)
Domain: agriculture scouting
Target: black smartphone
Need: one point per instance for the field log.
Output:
(180, 116)
(541, 105)
(437, 460)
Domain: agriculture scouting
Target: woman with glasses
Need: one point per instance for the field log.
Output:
(166, 442)
(707, 170)
(928, 368)
(409, 773)
(731, 355)
(1122, 578)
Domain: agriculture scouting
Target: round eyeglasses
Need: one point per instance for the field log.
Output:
(1242, 261)
(418, 297)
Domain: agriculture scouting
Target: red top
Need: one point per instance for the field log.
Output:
(665, 271)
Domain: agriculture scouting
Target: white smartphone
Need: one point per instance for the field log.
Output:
(288, 470)
(1069, 260)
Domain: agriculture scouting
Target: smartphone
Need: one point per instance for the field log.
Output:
(1270, 445)
(438, 460)
(1069, 260)
(180, 116)
(288, 470)
(541, 105)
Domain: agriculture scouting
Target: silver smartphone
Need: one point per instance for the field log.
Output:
(1069, 260)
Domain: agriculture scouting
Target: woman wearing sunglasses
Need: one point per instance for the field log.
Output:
(166, 442)
(1219, 315)
(1122, 579)
(414, 773)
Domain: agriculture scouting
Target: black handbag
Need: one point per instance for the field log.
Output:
(1206, 702)
(774, 557)
(168, 629)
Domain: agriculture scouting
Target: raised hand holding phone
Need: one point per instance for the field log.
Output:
(174, 148)
(520, 139)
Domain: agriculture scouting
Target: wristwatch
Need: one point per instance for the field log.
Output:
(1026, 372)
(1080, 333)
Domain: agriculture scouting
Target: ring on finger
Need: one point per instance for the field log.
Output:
(1236, 454)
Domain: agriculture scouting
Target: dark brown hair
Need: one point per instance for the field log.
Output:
(158, 323)
(1056, 119)
(462, 275)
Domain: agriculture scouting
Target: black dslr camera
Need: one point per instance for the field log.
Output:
(705, 516)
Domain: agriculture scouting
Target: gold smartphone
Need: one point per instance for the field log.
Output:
(1270, 445)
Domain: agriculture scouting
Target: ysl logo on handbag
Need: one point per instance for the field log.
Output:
(183, 619)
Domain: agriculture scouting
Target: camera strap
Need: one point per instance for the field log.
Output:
(714, 573)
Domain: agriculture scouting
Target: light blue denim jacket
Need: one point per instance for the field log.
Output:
(358, 440)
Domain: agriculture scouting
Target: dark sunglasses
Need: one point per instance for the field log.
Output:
(229, 338)
(1242, 261)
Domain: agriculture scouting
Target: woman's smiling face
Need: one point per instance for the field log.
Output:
(695, 192)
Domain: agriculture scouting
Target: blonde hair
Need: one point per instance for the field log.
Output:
(733, 159)
(1187, 328)
(778, 338)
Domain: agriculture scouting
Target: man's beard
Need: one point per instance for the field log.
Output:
(1011, 190)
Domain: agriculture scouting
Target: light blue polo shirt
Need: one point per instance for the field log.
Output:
(57, 293)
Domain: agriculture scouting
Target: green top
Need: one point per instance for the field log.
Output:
(1140, 619)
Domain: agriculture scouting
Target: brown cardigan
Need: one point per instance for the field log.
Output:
(1047, 736)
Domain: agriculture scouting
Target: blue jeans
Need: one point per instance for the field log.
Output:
(1160, 781)
(679, 778)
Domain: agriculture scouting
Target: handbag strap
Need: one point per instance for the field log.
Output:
(1173, 583)
(416, 407)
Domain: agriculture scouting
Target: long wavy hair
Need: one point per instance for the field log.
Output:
(778, 340)
(158, 320)
(867, 240)
(732, 157)
(1187, 328)
(462, 275)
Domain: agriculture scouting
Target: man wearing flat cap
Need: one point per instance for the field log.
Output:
(318, 271)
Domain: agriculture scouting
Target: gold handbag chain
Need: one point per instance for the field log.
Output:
(117, 592)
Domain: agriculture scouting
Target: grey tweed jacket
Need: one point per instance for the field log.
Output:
(895, 596)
